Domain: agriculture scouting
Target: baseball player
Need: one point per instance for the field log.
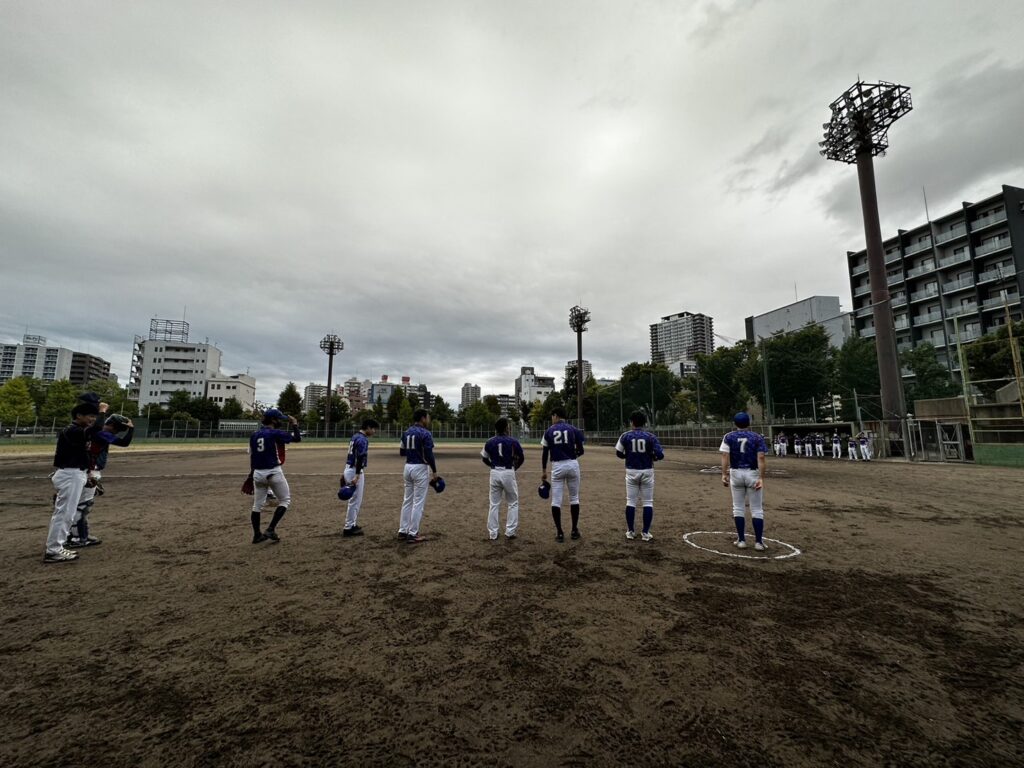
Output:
(851, 447)
(783, 444)
(266, 451)
(99, 451)
(819, 445)
(837, 446)
(798, 445)
(563, 444)
(355, 464)
(865, 446)
(71, 463)
(504, 455)
(743, 471)
(640, 449)
(420, 471)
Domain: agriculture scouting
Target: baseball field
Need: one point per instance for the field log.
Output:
(895, 636)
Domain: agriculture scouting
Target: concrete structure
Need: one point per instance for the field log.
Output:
(815, 310)
(960, 270)
(385, 388)
(507, 403)
(241, 386)
(677, 339)
(33, 358)
(357, 394)
(87, 368)
(531, 387)
(312, 395)
(588, 370)
(470, 395)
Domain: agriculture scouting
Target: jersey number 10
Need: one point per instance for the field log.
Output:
(639, 445)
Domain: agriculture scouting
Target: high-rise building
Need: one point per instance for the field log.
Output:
(507, 403)
(815, 310)
(470, 395)
(570, 368)
(312, 395)
(531, 387)
(87, 368)
(33, 358)
(960, 271)
(677, 339)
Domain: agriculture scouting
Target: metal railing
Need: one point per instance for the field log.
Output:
(992, 246)
(951, 234)
(923, 245)
(956, 285)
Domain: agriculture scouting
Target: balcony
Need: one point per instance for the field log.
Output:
(965, 337)
(931, 317)
(859, 269)
(962, 309)
(861, 290)
(956, 258)
(924, 245)
(898, 301)
(987, 221)
(904, 346)
(922, 270)
(867, 333)
(893, 279)
(892, 258)
(901, 323)
(996, 274)
(929, 293)
(999, 302)
(992, 246)
(958, 285)
(958, 231)
(864, 311)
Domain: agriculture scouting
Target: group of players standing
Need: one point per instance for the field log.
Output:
(813, 444)
(743, 468)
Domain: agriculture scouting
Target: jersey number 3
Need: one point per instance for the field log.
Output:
(260, 445)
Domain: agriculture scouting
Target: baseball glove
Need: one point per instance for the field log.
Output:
(248, 486)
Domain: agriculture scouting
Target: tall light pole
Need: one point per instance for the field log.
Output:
(331, 345)
(856, 133)
(578, 319)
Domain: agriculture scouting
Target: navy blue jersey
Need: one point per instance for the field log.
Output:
(639, 448)
(563, 441)
(358, 452)
(835, 439)
(418, 446)
(743, 447)
(73, 446)
(503, 452)
(263, 445)
(99, 446)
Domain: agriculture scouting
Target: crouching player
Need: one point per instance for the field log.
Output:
(266, 447)
(99, 451)
(743, 471)
(640, 449)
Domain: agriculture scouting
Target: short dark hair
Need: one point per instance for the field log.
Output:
(370, 424)
(559, 411)
(638, 418)
(84, 409)
(501, 426)
(419, 414)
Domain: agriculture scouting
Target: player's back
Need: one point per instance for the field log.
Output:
(504, 452)
(358, 446)
(417, 442)
(743, 446)
(564, 441)
(263, 447)
(639, 448)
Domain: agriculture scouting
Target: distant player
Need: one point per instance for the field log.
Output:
(837, 446)
(266, 451)
(798, 445)
(355, 464)
(851, 447)
(743, 471)
(504, 455)
(563, 444)
(865, 446)
(640, 449)
(99, 451)
(783, 444)
(420, 471)
(71, 464)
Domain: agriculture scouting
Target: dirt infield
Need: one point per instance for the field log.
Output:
(894, 639)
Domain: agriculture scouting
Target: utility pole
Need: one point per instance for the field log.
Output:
(578, 319)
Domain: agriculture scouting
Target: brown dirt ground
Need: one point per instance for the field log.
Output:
(894, 639)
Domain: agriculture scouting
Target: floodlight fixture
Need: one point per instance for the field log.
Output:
(861, 118)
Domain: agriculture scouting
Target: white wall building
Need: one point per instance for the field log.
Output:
(531, 387)
(312, 395)
(470, 395)
(814, 310)
(35, 359)
(677, 339)
(241, 386)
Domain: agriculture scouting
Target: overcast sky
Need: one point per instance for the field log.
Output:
(439, 182)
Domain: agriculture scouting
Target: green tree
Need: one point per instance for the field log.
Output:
(441, 411)
(479, 416)
(16, 404)
(232, 409)
(492, 405)
(683, 409)
(360, 416)
(179, 402)
(524, 410)
(394, 406)
(855, 369)
(37, 390)
(799, 367)
(719, 382)
(340, 413)
(378, 411)
(649, 385)
(61, 397)
(540, 416)
(184, 416)
(404, 412)
(990, 358)
(290, 399)
(931, 379)
(204, 409)
(115, 396)
(414, 400)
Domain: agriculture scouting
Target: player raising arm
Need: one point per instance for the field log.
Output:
(640, 449)
(266, 448)
(743, 471)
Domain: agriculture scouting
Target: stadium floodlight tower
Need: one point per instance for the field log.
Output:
(856, 133)
(578, 319)
(331, 345)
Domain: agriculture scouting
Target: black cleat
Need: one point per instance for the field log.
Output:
(575, 534)
(272, 535)
(258, 538)
(559, 537)
(357, 531)
(402, 535)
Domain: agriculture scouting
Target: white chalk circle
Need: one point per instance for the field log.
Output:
(792, 551)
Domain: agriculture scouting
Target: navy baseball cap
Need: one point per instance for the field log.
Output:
(544, 490)
(741, 419)
(438, 484)
(274, 413)
(346, 492)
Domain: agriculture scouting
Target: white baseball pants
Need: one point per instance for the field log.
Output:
(851, 450)
(741, 483)
(417, 479)
(503, 484)
(639, 486)
(356, 502)
(266, 479)
(819, 448)
(68, 483)
(567, 472)
(837, 450)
